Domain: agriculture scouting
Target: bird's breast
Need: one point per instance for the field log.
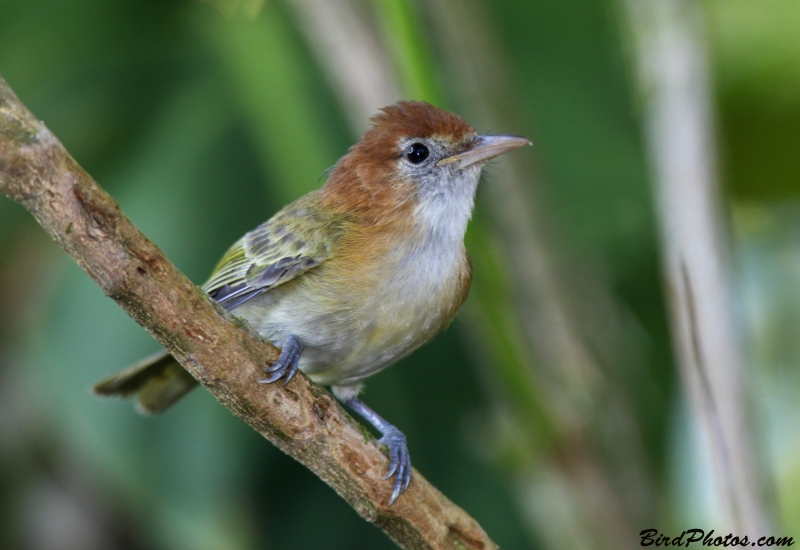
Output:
(413, 293)
(375, 301)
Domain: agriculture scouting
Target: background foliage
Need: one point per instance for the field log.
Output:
(202, 119)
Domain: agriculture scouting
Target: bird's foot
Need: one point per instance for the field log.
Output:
(393, 438)
(286, 365)
(399, 461)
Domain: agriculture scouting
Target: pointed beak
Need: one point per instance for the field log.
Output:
(484, 148)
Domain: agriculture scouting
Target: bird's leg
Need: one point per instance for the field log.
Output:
(395, 440)
(286, 365)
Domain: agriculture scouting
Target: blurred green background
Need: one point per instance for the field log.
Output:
(551, 410)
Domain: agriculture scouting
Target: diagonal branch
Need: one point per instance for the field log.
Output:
(221, 351)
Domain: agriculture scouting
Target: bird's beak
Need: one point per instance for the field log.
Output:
(484, 148)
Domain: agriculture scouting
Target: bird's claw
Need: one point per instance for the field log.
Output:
(395, 441)
(287, 364)
(399, 462)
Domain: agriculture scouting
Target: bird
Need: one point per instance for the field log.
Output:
(354, 276)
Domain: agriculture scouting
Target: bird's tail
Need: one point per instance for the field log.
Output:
(158, 382)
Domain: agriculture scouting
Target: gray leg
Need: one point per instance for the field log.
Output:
(286, 365)
(395, 440)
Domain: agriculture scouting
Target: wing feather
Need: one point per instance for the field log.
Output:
(296, 239)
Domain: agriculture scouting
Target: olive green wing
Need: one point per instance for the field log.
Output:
(296, 239)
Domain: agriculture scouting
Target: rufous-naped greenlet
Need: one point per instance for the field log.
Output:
(354, 276)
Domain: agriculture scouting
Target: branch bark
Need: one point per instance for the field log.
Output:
(221, 351)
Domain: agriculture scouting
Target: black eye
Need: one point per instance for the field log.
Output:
(417, 153)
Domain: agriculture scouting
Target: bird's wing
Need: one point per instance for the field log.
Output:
(296, 239)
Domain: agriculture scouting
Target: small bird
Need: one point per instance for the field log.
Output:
(352, 277)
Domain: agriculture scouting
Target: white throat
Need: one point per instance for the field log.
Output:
(443, 212)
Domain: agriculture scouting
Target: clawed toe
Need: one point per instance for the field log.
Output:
(276, 366)
(395, 441)
(399, 463)
(287, 364)
(274, 378)
(290, 371)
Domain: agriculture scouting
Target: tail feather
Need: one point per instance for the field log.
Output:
(158, 381)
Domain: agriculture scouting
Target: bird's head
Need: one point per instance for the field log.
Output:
(416, 158)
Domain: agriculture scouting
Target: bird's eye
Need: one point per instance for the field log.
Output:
(417, 153)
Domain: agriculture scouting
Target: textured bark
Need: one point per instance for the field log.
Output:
(221, 351)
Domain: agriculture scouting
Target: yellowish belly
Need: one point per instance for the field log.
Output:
(352, 328)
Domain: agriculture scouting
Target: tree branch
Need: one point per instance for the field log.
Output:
(221, 351)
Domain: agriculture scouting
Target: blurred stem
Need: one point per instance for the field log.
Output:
(410, 54)
(675, 91)
(351, 56)
(271, 80)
